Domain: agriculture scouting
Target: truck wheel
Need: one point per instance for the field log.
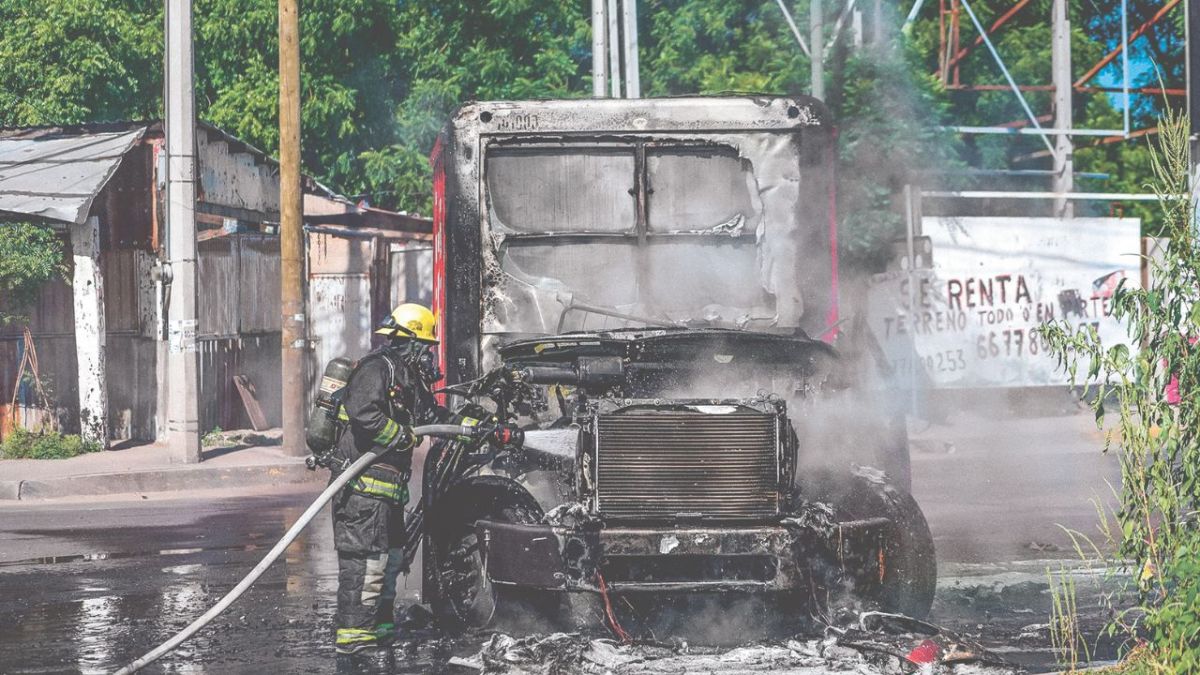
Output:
(466, 598)
(910, 572)
(909, 559)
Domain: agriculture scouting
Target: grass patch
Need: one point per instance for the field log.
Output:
(1142, 659)
(213, 437)
(24, 444)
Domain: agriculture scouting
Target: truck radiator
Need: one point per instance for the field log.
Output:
(687, 465)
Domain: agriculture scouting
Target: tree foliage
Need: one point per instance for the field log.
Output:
(380, 78)
(68, 61)
(30, 255)
(72, 61)
(1024, 42)
(716, 46)
(888, 131)
(350, 78)
(1155, 531)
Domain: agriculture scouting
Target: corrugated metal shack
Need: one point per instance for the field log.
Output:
(360, 257)
(108, 179)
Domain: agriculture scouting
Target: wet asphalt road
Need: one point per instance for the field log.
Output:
(148, 569)
(86, 586)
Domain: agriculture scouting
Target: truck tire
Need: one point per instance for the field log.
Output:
(465, 598)
(910, 562)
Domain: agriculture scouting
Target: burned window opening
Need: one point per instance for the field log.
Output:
(671, 237)
(588, 194)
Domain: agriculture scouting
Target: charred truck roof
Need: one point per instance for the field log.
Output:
(586, 215)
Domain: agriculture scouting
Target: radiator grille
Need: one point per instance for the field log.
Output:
(669, 465)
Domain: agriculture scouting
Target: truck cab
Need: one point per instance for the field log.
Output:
(660, 277)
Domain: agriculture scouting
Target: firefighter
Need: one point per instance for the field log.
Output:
(386, 395)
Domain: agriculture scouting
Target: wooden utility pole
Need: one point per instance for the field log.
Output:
(291, 243)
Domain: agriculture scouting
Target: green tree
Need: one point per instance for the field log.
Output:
(30, 255)
(1025, 44)
(70, 61)
(73, 61)
(349, 79)
(715, 46)
(888, 130)
(455, 51)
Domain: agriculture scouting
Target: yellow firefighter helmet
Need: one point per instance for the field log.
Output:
(411, 320)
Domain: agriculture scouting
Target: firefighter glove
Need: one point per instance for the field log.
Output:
(404, 440)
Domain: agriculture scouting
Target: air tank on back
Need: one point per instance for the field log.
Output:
(323, 426)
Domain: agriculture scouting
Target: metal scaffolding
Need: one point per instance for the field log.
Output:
(954, 48)
(952, 52)
(1055, 129)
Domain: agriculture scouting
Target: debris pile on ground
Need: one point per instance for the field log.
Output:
(917, 643)
(877, 644)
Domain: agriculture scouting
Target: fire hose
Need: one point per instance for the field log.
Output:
(351, 472)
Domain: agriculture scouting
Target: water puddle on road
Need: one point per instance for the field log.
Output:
(94, 556)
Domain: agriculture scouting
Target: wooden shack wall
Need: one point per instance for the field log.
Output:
(239, 333)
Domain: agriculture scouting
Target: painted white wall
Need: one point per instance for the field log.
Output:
(968, 320)
(88, 290)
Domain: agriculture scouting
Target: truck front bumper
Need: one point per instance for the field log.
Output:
(755, 558)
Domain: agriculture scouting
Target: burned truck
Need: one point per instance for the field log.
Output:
(650, 287)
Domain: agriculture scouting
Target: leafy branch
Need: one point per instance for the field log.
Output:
(1153, 393)
(30, 255)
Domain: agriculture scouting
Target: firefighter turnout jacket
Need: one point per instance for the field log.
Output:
(385, 396)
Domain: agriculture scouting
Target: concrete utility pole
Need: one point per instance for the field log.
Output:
(183, 372)
(599, 49)
(1064, 162)
(633, 83)
(614, 49)
(291, 242)
(816, 40)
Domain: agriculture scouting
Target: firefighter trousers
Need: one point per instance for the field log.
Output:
(368, 533)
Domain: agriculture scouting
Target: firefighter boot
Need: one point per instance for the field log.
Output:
(385, 610)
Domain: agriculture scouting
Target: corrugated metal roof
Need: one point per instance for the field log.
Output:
(56, 177)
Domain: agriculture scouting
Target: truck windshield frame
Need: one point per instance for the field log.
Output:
(661, 207)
